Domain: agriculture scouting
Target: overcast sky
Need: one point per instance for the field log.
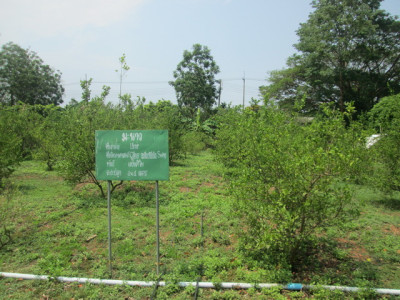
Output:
(85, 38)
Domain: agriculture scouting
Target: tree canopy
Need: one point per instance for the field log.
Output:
(195, 80)
(24, 77)
(349, 52)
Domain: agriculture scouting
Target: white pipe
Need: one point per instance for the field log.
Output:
(353, 289)
(224, 285)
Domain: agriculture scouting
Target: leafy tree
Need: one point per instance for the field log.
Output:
(24, 77)
(195, 81)
(289, 180)
(77, 136)
(349, 51)
(288, 87)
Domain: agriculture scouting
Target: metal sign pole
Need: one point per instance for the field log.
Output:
(109, 225)
(140, 155)
(158, 230)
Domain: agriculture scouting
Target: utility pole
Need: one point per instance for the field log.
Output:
(86, 84)
(244, 87)
(219, 91)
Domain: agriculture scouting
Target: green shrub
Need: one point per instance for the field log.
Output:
(194, 142)
(385, 116)
(289, 179)
(10, 144)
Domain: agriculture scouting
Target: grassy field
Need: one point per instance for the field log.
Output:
(58, 229)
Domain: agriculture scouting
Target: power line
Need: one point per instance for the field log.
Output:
(231, 92)
(159, 82)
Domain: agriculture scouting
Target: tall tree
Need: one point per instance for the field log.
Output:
(24, 77)
(288, 86)
(349, 51)
(195, 80)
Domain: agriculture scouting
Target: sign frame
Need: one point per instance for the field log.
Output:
(132, 155)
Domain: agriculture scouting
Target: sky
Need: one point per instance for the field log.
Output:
(85, 39)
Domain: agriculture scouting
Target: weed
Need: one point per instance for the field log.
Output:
(220, 238)
(225, 295)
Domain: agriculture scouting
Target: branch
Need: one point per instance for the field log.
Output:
(115, 186)
(95, 181)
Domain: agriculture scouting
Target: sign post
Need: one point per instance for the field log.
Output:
(157, 229)
(132, 155)
(109, 226)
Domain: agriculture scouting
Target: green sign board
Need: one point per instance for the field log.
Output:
(132, 155)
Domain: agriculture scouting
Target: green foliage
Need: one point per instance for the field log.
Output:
(348, 52)
(194, 142)
(224, 295)
(195, 81)
(53, 233)
(47, 135)
(163, 115)
(17, 131)
(287, 87)
(289, 180)
(7, 212)
(387, 153)
(199, 133)
(77, 138)
(273, 293)
(25, 78)
(10, 144)
(321, 293)
(25, 119)
(385, 115)
(81, 119)
(123, 68)
(262, 274)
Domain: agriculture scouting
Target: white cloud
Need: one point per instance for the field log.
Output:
(47, 18)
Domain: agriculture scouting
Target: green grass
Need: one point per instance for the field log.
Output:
(58, 229)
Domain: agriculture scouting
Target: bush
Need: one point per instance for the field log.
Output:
(194, 142)
(386, 113)
(164, 116)
(47, 134)
(385, 116)
(289, 180)
(10, 144)
(7, 213)
(77, 139)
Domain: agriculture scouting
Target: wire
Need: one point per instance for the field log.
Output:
(159, 82)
